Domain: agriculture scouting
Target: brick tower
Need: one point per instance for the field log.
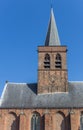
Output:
(52, 67)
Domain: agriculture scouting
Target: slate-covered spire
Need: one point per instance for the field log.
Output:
(52, 38)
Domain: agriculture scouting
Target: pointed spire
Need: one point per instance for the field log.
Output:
(52, 38)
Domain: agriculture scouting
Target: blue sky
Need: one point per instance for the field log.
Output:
(23, 26)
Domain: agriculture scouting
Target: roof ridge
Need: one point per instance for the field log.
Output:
(19, 83)
(75, 81)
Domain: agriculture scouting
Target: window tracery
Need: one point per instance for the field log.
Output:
(35, 121)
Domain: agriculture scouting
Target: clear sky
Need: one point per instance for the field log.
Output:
(23, 26)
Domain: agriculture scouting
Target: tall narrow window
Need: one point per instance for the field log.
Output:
(35, 122)
(58, 61)
(12, 122)
(60, 121)
(81, 121)
(47, 61)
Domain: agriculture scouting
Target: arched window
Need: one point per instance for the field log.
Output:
(35, 121)
(81, 121)
(60, 121)
(47, 61)
(12, 122)
(58, 61)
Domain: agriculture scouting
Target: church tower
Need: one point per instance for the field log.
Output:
(52, 66)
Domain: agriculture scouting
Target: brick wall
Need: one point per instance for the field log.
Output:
(52, 79)
(51, 119)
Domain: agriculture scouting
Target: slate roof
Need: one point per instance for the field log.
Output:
(25, 96)
(52, 38)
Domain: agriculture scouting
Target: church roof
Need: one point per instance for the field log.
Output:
(52, 38)
(25, 96)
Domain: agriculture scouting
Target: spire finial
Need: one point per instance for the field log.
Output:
(51, 4)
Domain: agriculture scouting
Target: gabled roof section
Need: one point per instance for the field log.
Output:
(23, 95)
(52, 38)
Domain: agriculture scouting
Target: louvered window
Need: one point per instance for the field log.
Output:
(47, 61)
(58, 63)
